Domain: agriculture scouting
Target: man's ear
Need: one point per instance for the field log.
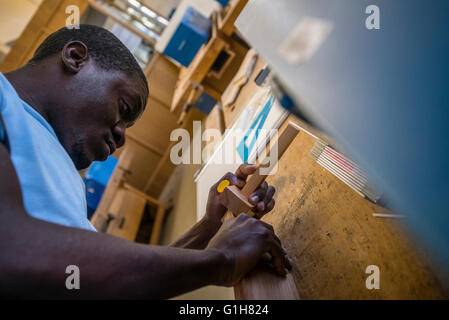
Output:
(74, 56)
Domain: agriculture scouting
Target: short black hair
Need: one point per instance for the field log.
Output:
(103, 46)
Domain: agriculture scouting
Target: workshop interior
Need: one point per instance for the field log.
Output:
(352, 95)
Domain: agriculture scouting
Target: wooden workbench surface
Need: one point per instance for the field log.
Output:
(331, 235)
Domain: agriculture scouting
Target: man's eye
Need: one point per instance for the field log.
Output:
(124, 109)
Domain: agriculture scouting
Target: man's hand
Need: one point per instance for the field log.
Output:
(245, 241)
(262, 198)
(199, 235)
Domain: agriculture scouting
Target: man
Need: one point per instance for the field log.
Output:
(70, 105)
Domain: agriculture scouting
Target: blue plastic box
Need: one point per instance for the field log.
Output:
(188, 38)
(205, 103)
(96, 179)
(224, 3)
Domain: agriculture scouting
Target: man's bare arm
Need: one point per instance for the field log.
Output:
(35, 255)
(200, 234)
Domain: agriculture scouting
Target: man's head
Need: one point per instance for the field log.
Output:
(98, 87)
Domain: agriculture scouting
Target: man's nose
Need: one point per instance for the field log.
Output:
(118, 132)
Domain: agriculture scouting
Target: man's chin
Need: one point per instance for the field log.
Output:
(81, 161)
(80, 165)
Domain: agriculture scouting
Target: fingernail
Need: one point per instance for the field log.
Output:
(261, 206)
(255, 199)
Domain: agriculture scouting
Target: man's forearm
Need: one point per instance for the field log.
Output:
(34, 260)
(35, 254)
(199, 235)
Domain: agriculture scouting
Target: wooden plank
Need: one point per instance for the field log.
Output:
(264, 284)
(227, 19)
(127, 209)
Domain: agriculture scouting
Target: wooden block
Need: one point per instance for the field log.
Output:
(263, 284)
(232, 199)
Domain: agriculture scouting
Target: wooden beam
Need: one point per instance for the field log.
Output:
(230, 13)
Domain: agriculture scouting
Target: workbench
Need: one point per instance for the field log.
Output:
(332, 236)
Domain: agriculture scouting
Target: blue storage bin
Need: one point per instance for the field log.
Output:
(205, 103)
(188, 38)
(96, 179)
(224, 3)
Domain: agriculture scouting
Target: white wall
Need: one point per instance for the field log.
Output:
(162, 6)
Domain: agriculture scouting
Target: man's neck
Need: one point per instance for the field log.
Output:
(32, 88)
